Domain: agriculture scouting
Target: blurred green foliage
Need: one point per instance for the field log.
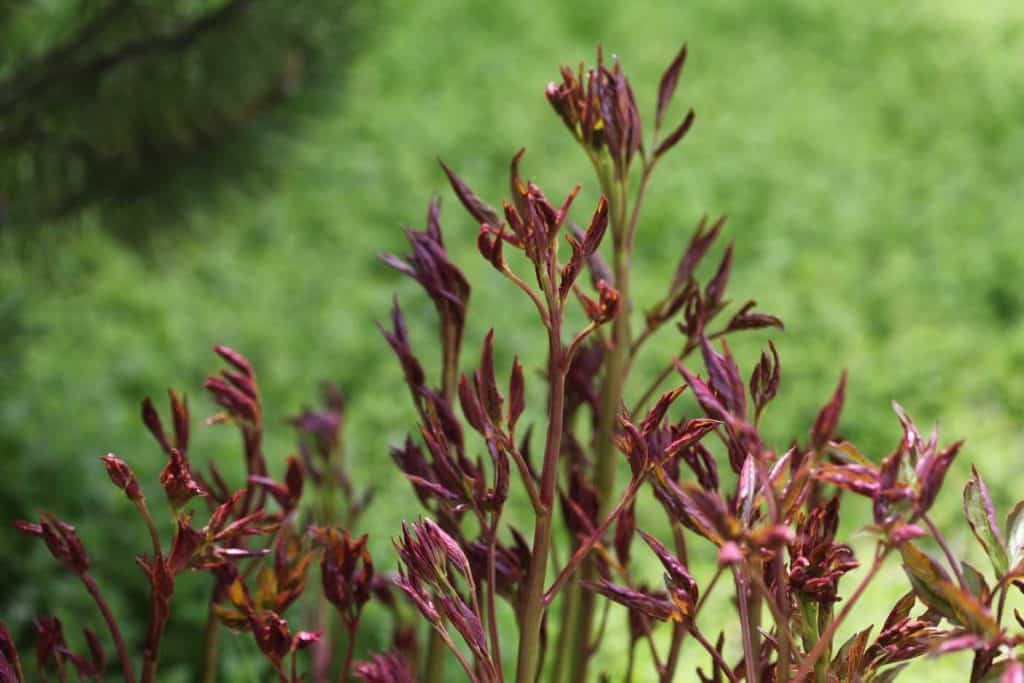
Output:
(868, 156)
(107, 95)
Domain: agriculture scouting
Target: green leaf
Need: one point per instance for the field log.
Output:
(933, 586)
(925, 575)
(1015, 534)
(981, 516)
(846, 452)
(976, 582)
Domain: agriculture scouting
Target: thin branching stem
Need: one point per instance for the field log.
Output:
(492, 613)
(750, 659)
(350, 648)
(715, 654)
(595, 536)
(115, 631)
(950, 557)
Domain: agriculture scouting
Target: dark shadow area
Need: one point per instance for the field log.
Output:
(144, 109)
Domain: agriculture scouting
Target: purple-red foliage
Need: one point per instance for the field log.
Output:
(770, 518)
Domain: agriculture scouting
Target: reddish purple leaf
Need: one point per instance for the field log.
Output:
(667, 86)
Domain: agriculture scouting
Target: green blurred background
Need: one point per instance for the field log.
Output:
(868, 155)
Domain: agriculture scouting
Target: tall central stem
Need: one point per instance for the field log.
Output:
(532, 601)
(580, 622)
(612, 386)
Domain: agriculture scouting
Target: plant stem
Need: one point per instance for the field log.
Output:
(492, 614)
(211, 635)
(750, 660)
(612, 385)
(569, 641)
(616, 368)
(115, 632)
(825, 639)
(151, 650)
(151, 653)
(527, 477)
(691, 345)
(715, 654)
(1002, 603)
(781, 623)
(350, 648)
(532, 601)
(154, 535)
(587, 545)
(446, 640)
(434, 672)
(678, 628)
(434, 669)
(941, 540)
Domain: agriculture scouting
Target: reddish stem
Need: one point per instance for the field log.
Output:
(350, 648)
(750, 661)
(115, 632)
(492, 616)
(715, 654)
(953, 564)
(588, 544)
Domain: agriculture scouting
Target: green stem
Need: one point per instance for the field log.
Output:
(568, 639)
(435, 658)
(492, 612)
(211, 635)
(595, 536)
(612, 386)
(532, 600)
(747, 628)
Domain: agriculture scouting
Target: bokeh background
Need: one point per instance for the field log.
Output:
(236, 187)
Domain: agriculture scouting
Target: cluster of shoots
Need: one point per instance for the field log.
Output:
(474, 597)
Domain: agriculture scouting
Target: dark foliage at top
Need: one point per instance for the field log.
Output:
(98, 95)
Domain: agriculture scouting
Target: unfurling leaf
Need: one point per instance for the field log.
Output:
(667, 86)
(676, 135)
(981, 515)
(476, 207)
(516, 394)
(828, 419)
(1015, 535)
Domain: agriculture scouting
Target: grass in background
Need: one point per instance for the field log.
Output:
(868, 157)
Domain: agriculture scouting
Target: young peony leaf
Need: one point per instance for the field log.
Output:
(667, 86)
(1015, 535)
(981, 516)
(933, 586)
(976, 582)
(477, 208)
